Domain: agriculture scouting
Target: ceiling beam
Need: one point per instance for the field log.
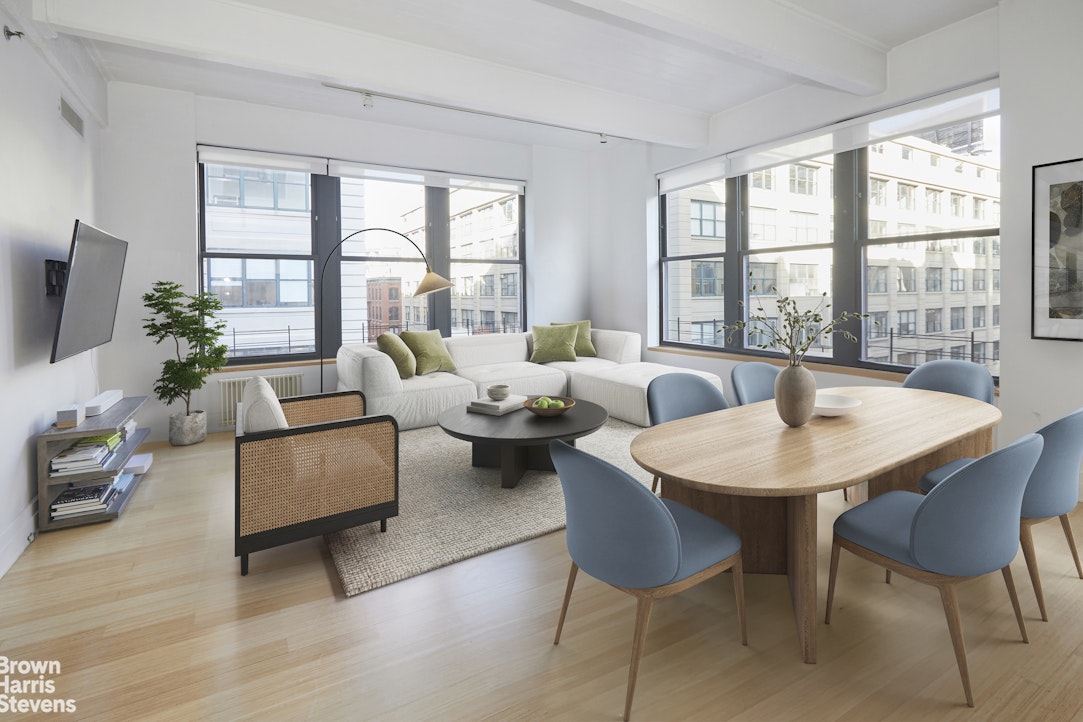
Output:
(251, 37)
(765, 33)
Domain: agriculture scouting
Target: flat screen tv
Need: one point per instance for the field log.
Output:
(88, 308)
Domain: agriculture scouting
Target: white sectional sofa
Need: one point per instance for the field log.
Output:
(615, 378)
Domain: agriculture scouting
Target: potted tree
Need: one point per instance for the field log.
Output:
(189, 321)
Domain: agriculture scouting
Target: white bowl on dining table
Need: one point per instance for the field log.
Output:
(835, 404)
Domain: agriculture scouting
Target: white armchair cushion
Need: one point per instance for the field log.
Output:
(261, 408)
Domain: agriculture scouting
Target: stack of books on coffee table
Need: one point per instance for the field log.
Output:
(496, 408)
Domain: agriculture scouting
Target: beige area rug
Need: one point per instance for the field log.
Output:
(450, 511)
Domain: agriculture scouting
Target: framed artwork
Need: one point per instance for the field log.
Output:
(1057, 207)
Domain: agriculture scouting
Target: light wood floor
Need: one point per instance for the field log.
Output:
(150, 619)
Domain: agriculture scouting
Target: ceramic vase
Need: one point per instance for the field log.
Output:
(795, 395)
(185, 430)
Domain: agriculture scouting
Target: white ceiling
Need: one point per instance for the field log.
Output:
(653, 70)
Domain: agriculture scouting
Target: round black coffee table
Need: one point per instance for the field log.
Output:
(519, 440)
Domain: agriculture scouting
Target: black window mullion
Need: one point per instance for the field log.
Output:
(326, 235)
(438, 251)
(851, 220)
(736, 242)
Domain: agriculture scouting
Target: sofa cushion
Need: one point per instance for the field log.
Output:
(583, 346)
(429, 350)
(622, 389)
(554, 343)
(400, 353)
(423, 398)
(522, 377)
(261, 408)
(490, 348)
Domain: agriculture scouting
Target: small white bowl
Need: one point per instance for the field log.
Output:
(498, 392)
(835, 404)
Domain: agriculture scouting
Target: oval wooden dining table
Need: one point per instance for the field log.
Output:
(748, 469)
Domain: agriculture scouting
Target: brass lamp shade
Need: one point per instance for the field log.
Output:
(431, 282)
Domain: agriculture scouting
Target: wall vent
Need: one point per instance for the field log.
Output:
(284, 385)
(68, 113)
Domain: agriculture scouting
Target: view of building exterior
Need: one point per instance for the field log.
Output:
(931, 290)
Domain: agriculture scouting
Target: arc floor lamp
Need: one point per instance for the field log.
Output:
(429, 283)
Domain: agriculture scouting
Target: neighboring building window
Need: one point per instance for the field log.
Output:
(803, 180)
(906, 196)
(906, 277)
(958, 352)
(958, 318)
(878, 191)
(957, 202)
(977, 277)
(934, 278)
(487, 288)
(707, 278)
(762, 179)
(932, 201)
(761, 226)
(763, 277)
(804, 227)
(509, 284)
(978, 313)
(877, 325)
(877, 279)
(934, 320)
(979, 246)
(958, 282)
(708, 219)
(996, 314)
(908, 323)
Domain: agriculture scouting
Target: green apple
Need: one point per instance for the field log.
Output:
(556, 404)
(542, 403)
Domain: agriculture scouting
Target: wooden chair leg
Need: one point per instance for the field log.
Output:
(654, 484)
(567, 598)
(887, 576)
(643, 617)
(1010, 584)
(835, 549)
(1026, 540)
(845, 493)
(1067, 527)
(739, 591)
(955, 627)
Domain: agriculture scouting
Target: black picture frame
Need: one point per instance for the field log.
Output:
(1057, 251)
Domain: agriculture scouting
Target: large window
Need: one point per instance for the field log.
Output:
(264, 249)
(913, 234)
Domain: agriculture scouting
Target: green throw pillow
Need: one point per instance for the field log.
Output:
(399, 352)
(583, 346)
(554, 343)
(429, 350)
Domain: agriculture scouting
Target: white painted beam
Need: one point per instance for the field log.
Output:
(766, 33)
(246, 36)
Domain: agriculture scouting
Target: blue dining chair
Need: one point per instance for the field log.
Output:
(679, 395)
(953, 376)
(944, 538)
(1053, 490)
(651, 548)
(753, 381)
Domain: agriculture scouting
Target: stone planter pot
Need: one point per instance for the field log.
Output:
(795, 395)
(185, 430)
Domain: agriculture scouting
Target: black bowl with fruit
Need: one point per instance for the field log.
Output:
(548, 405)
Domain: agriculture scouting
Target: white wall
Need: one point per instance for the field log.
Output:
(1039, 52)
(45, 184)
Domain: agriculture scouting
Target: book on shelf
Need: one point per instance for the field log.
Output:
(82, 495)
(497, 408)
(81, 468)
(111, 440)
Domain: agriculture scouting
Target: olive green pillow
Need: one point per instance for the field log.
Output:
(400, 353)
(429, 350)
(583, 346)
(554, 343)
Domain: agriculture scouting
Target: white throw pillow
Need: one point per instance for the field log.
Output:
(260, 406)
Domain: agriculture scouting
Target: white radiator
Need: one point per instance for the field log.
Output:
(284, 385)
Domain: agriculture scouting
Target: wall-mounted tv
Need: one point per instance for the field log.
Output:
(88, 308)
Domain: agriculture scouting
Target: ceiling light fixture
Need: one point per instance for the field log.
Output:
(368, 95)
